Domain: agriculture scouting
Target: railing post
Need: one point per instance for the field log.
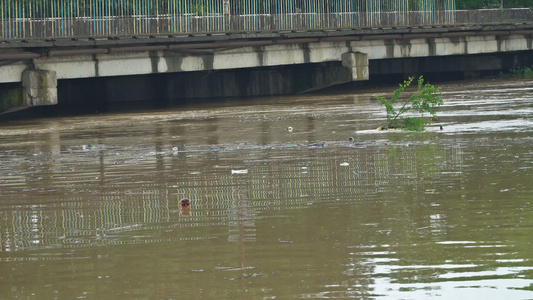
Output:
(227, 15)
(227, 7)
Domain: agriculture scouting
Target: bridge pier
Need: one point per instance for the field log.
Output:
(39, 87)
(357, 63)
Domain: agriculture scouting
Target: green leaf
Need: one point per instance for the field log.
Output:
(424, 100)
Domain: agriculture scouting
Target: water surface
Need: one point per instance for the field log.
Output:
(89, 204)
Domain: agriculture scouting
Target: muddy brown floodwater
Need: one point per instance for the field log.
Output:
(283, 205)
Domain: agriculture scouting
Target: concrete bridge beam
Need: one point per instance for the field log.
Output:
(120, 63)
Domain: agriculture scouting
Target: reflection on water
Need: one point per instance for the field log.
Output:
(89, 206)
(114, 206)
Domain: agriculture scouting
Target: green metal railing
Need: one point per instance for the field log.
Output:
(38, 19)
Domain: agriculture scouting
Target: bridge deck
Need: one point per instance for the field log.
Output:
(26, 49)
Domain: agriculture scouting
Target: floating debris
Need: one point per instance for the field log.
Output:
(311, 116)
(315, 145)
(290, 129)
(175, 150)
(88, 147)
(127, 227)
(344, 164)
(185, 202)
(185, 210)
(245, 171)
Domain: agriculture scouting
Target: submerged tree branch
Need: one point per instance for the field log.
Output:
(424, 100)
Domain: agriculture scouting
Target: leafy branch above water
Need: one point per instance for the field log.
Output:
(424, 100)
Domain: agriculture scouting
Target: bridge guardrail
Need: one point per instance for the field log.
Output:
(184, 24)
(493, 16)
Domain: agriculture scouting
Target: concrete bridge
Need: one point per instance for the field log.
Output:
(48, 70)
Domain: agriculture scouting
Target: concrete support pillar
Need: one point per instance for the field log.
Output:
(40, 87)
(357, 62)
